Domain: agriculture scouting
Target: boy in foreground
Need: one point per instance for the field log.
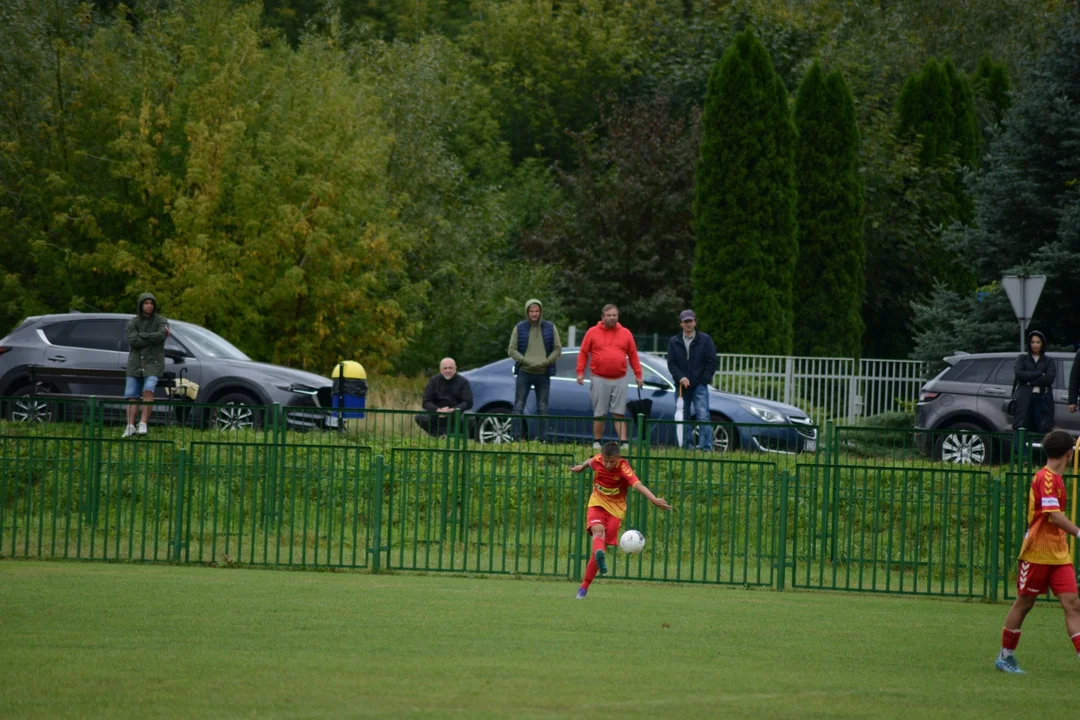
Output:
(1044, 556)
(612, 476)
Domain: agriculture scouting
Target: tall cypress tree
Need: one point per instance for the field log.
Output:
(925, 107)
(830, 277)
(744, 205)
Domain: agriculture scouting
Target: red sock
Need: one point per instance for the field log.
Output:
(590, 572)
(1076, 642)
(1011, 638)
(597, 544)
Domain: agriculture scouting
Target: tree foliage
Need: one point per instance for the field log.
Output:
(744, 205)
(1027, 202)
(830, 275)
(623, 234)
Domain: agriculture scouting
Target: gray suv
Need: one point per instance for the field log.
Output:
(963, 405)
(98, 342)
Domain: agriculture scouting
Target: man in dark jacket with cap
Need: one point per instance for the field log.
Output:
(691, 360)
(146, 334)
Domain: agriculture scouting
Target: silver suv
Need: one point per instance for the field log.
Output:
(97, 342)
(963, 405)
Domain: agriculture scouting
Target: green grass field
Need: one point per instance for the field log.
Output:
(119, 640)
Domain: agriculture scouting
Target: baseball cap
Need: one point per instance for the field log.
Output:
(687, 315)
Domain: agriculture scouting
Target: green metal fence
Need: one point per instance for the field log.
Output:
(386, 494)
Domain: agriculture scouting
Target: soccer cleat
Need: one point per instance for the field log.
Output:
(129, 431)
(142, 429)
(580, 594)
(601, 561)
(1008, 665)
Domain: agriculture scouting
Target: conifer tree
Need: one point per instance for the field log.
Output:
(744, 205)
(830, 277)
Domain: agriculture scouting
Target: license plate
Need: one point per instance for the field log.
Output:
(332, 421)
(810, 446)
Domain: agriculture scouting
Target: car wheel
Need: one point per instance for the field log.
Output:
(237, 411)
(725, 436)
(23, 407)
(963, 444)
(495, 430)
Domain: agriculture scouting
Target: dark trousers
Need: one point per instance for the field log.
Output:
(435, 424)
(542, 385)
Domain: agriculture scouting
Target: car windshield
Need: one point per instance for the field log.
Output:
(207, 344)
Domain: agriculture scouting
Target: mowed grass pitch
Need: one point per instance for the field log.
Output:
(83, 640)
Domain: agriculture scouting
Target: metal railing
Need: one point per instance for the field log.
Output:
(841, 389)
(892, 522)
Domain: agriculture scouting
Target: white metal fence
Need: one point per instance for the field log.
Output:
(841, 389)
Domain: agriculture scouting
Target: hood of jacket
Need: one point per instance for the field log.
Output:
(529, 303)
(1038, 334)
(145, 296)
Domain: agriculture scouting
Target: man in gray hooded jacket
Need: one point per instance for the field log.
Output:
(534, 347)
(146, 335)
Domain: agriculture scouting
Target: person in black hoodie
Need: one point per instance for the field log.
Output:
(1034, 382)
(445, 393)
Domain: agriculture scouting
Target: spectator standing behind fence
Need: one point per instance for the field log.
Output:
(1034, 382)
(146, 335)
(534, 347)
(691, 360)
(608, 345)
(445, 393)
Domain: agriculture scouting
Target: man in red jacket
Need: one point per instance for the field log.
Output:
(608, 346)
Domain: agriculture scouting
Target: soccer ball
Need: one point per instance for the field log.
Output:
(632, 542)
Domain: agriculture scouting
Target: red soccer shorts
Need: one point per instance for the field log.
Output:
(1033, 578)
(600, 516)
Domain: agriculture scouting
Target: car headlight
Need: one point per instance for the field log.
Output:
(298, 388)
(763, 413)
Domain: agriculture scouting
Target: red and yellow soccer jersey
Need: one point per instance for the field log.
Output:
(610, 486)
(1044, 542)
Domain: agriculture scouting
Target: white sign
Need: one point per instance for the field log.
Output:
(1023, 292)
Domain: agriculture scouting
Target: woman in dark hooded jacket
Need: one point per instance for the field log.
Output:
(1034, 387)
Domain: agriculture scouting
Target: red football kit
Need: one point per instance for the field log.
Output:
(1044, 556)
(607, 504)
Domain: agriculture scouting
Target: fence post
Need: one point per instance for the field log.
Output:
(579, 536)
(781, 552)
(571, 336)
(376, 516)
(826, 513)
(995, 530)
(178, 525)
(789, 379)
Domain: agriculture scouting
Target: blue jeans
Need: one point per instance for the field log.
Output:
(134, 387)
(698, 399)
(542, 385)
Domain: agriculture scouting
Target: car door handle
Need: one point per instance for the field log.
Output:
(996, 391)
(57, 358)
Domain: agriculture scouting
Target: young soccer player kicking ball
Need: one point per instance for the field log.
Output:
(607, 505)
(1044, 555)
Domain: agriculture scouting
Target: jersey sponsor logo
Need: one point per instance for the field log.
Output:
(606, 490)
(1051, 502)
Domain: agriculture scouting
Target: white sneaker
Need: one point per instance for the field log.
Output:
(129, 431)
(142, 428)
(624, 447)
(596, 446)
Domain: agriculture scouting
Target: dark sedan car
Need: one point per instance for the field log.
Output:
(98, 342)
(741, 421)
